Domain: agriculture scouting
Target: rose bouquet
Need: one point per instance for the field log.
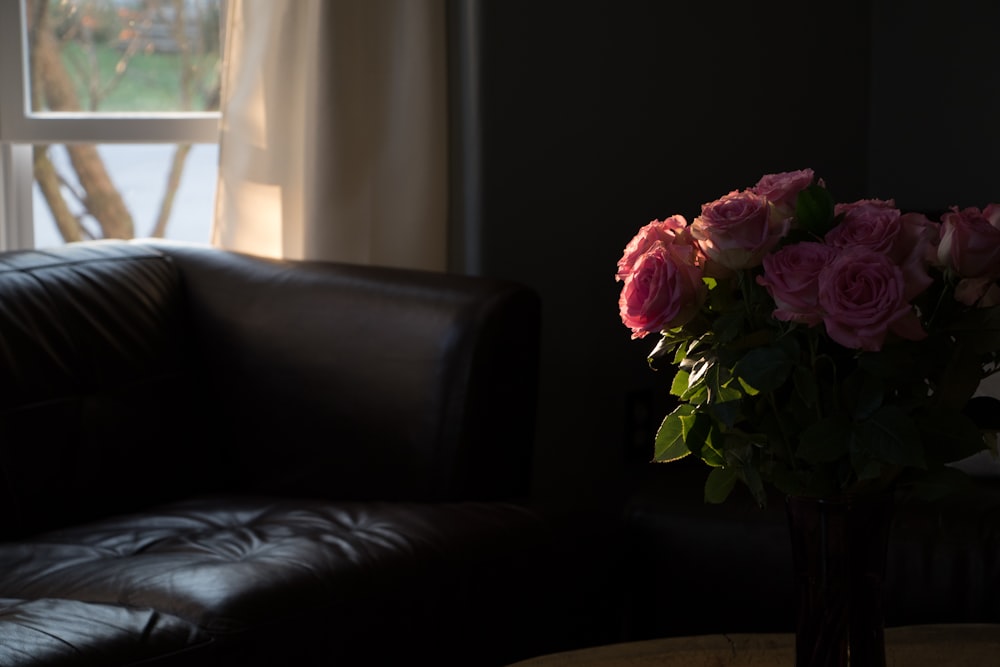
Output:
(824, 348)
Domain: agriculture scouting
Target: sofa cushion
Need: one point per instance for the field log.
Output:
(231, 564)
(72, 633)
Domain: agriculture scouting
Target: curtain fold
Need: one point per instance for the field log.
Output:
(333, 139)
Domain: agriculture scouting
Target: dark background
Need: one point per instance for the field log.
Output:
(579, 121)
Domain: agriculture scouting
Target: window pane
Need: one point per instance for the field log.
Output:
(124, 190)
(124, 55)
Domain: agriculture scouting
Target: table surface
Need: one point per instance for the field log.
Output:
(958, 645)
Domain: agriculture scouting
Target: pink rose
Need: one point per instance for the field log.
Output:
(666, 231)
(970, 246)
(914, 251)
(862, 294)
(791, 278)
(663, 291)
(782, 189)
(872, 223)
(737, 230)
(990, 298)
(908, 240)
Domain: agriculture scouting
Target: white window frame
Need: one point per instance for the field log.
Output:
(20, 128)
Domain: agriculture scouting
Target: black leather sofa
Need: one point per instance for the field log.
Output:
(212, 458)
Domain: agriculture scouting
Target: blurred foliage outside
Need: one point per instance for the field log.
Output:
(117, 56)
(135, 55)
(153, 83)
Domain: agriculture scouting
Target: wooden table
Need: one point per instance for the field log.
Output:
(913, 646)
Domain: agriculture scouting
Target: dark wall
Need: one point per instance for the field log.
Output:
(598, 116)
(936, 103)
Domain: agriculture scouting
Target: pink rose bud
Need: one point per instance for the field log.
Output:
(737, 230)
(663, 291)
(782, 189)
(862, 293)
(791, 278)
(665, 231)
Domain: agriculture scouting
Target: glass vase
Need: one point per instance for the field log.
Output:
(839, 548)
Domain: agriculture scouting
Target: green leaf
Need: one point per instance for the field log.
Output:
(720, 484)
(681, 352)
(725, 413)
(825, 440)
(887, 363)
(959, 380)
(697, 382)
(948, 436)
(696, 392)
(933, 485)
(719, 382)
(867, 470)
(751, 477)
(984, 411)
(891, 436)
(868, 396)
(806, 386)
(764, 368)
(728, 325)
(787, 481)
(663, 347)
(701, 436)
(978, 330)
(681, 383)
(747, 389)
(709, 452)
(684, 432)
(814, 210)
(669, 444)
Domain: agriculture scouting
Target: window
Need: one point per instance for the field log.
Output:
(108, 119)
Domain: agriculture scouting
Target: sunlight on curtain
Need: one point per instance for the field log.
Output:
(333, 138)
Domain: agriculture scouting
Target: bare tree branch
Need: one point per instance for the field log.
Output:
(173, 183)
(103, 200)
(48, 183)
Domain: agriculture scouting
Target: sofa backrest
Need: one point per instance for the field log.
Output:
(143, 371)
(362, 382)
(96, 397)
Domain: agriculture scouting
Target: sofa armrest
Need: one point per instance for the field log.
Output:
(362, 382)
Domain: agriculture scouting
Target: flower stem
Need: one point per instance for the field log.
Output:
(784, 436)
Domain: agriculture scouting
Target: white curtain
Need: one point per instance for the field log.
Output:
(334, 133)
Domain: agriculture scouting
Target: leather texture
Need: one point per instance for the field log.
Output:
(88, 633)
(396, 383)
(227, 564)
(233, 568)
(213, 458)
(97, 385)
